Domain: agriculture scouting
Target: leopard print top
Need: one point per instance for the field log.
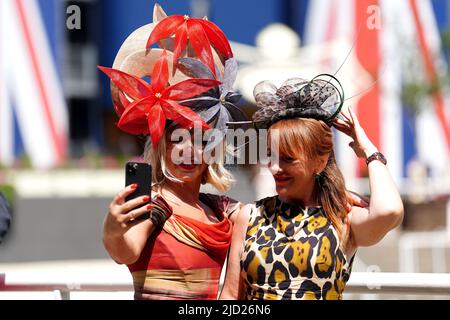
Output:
(292, 253)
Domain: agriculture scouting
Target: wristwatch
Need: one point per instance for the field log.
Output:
(377, 156)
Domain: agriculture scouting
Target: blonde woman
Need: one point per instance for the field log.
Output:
(180, 254)
(177, 253)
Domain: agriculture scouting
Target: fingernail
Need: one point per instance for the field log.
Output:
(134, 186)
(145, 199)
(149, 207)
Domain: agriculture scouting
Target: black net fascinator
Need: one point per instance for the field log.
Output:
(321, 98)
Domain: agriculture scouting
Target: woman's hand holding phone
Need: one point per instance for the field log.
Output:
(124, 236)
(122, 214)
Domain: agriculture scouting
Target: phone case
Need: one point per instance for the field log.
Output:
(140, 174)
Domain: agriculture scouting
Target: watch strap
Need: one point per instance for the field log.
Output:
(376, 156)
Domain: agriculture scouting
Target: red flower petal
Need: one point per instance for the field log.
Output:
(120, 103)
(119, 108)
(165, 28)
(134, 117)
(200, 43)
(217, 39)
(189, 88)
(135, 128)
(175, 117)
(180, 43)
(133, 86)
(184, 116)
(160, 74)
(123, 100)
(156, 124)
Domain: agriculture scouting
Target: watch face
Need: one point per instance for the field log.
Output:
(377, 155)
(381, 157)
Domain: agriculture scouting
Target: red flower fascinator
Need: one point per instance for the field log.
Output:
(153, 103)
(201, 34)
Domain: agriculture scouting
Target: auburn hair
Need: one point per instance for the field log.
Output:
(306, 140)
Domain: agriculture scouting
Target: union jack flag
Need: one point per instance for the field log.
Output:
(33, 112)
(409, 29)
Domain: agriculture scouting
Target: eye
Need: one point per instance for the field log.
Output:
(177, 140)
(287, 159)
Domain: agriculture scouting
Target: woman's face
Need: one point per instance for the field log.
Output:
(184, 158)
(292, 176)
(295, 178)
(294, 147)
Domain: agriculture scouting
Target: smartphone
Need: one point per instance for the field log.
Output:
(140, 174)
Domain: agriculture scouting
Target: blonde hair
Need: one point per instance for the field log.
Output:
(216, 174)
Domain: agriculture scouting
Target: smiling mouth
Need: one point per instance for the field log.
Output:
(279, 179)
(187, 166)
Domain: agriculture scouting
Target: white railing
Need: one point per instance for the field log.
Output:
(399, 283)
(373, 283)
(61, 286)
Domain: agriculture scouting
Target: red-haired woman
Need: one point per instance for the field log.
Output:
(300, 244)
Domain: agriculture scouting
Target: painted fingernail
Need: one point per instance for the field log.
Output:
(134, 186)
(149, 207)
(145, 199)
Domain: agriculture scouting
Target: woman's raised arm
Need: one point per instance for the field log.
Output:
(385, 212)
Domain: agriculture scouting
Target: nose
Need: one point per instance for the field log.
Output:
(274, 167)
(195, 148)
